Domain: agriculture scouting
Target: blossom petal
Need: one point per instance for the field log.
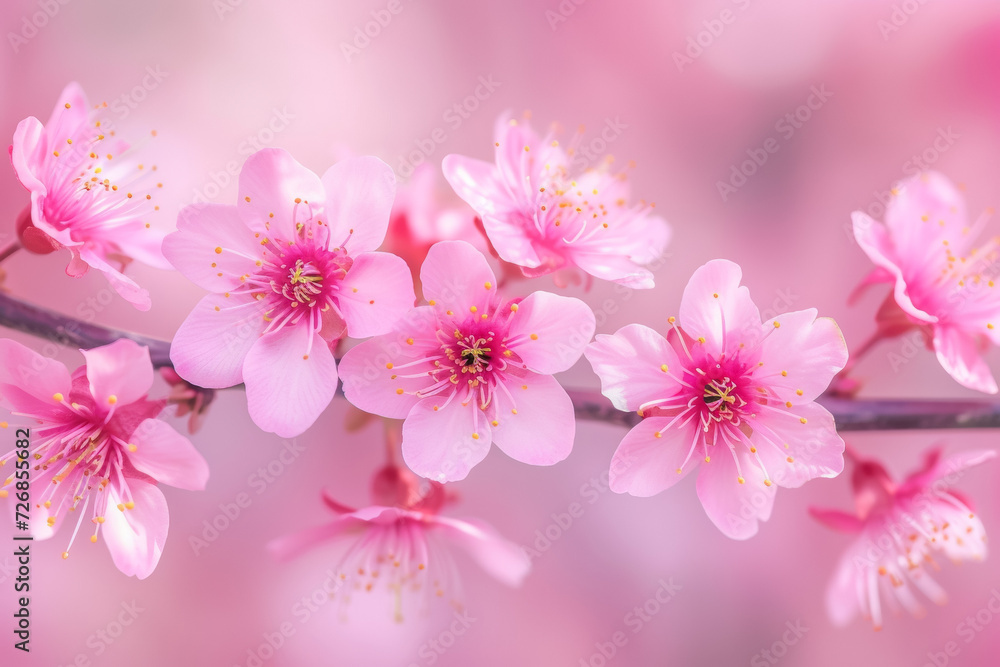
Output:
(802, 354)
(444, 444)
(270, 182)
(455, 273)
(359, 194)
(724, 321)
(291, 546)
(735, 508)
(538, 426)
(551, 331)
(135, 537)
(291, 377)
(28, 153)
(499, 557)
(633, 364)
(644, 464)
(477, 182)
(36, 376)
(837, 520)
(376, 292)
(127, 288)
(211, 344)
(167, 456)
(212, 239)
(958, 353)
(799, 445)
(122, 370)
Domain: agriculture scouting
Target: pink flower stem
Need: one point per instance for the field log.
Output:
(859, 352)
(850, 414)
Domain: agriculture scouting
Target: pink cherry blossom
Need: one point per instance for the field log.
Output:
(98, 451)
(898, 530)
(399, 549)
(725, 393)
(88, 194)
(942, 280)
(473, 368)
(291, 269)
(546, 211)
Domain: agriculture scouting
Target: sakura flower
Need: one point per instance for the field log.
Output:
(399, 549)
(898, 530)
(547, 213)
(726, 394)
(942, 280)
(98, 449)
(473, 368)
(291, 269)
(88, 194)
(190, 400)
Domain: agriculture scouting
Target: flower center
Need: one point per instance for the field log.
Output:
(304, 283)
(475, 355)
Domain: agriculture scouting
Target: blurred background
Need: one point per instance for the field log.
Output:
(689, 88)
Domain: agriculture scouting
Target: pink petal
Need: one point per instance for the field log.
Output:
(510, 241)
(947, 470)
(814, 447)
(455, 273)
(28, 152)
(167, 456)
(127, 288)
(724, 321)
(958, 353)
(842, 592)
(291, 377)
(837, 520)
(499, 557)
(478, 183)
(292, 546)
(932, 195)
(359, 194)
(202, 231)
(615, 268)
(552, 331)
(136, 537)
(811, 351)
(209, 347)
(37, 376)
(270, 182)
(64, 122)
(141, 243)
(630, 364)
(734, 508)
(121, 369)
(644, 465)
(440, 444)
(542, 429)
(376, 292)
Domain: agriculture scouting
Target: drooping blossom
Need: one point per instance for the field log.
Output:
(292, 270)
(900, 530)
(399, 548)
(97, 450)
(191, 401)
(726, 394)
(89, 194)
(471, 368)
(548, 211)
(942, 274)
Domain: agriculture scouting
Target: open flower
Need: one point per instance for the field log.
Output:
(292, 270)
(942, 280)
(546, 213)
(725, 393)
(399, 548)
(899, 529)
(473, 368)
(97, 449)
(88, 194)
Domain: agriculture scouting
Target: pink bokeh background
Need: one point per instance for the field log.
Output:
(231, 72)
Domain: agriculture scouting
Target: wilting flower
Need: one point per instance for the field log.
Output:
(88, 194)
(943, 281)
(725, 393)
(291, 269)
(399, 548)
(899, 529)
(189, 399)
(96, 448)
(546, 214)
(473, 368)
